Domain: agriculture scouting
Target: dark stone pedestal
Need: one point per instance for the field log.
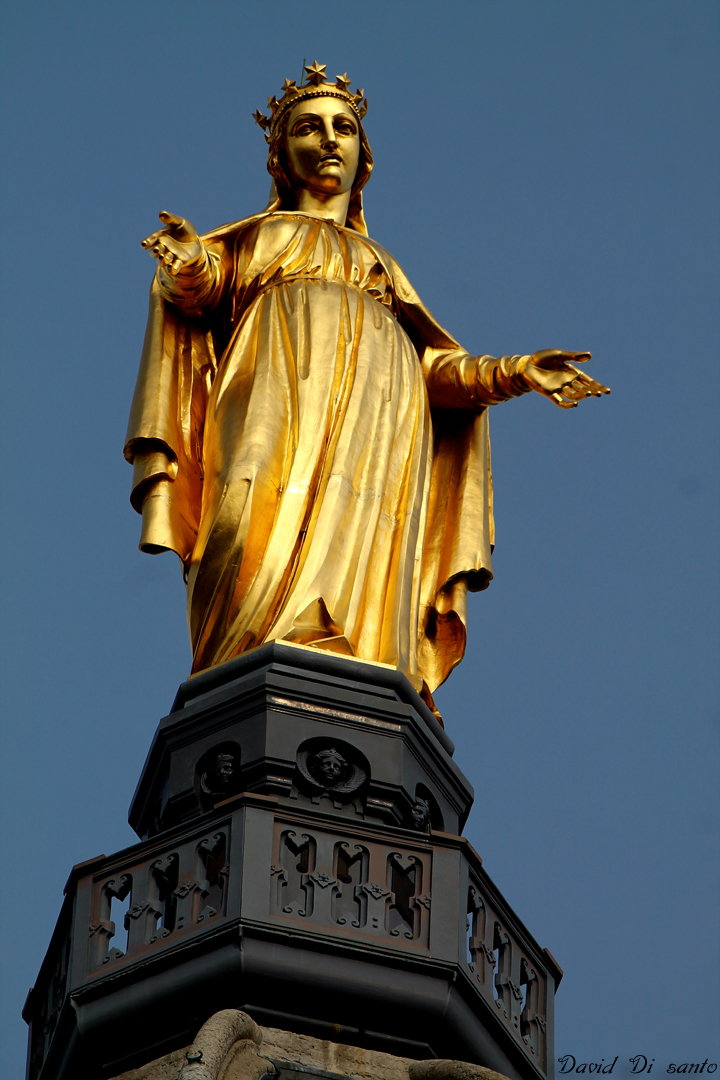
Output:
(300, 859)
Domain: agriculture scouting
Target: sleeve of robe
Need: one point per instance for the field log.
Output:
(165, 430)
(460, 531)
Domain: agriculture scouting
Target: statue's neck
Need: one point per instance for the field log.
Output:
(333, 207)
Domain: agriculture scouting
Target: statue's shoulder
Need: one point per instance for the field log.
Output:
(378, 248)
(394, 270)
(231, 231)
(382, 254)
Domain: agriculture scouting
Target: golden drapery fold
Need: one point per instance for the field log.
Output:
(315, 448)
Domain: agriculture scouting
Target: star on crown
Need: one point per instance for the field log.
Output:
(315, 73)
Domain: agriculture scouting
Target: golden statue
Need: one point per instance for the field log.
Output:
(305, 436)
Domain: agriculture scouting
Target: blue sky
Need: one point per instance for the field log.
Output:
(546, 173)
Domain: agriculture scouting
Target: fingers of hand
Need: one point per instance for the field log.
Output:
(562, 403)
(162, 253)
(170, 219)
(599, 389)
(152, 238)
(591, 386)
(177, 228)
(578, 389)
(581, 387)
(170, 261)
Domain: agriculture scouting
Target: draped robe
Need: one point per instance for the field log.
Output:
(314, 446)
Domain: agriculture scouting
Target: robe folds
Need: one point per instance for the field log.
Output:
(314, 446)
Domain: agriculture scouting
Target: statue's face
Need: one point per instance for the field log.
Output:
(323, 145)
(331, 768)
(223, 771)
(420, 814)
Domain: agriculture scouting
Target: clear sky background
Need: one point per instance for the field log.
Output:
(546, 174)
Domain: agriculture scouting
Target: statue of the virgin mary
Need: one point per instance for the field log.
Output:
(305, 436)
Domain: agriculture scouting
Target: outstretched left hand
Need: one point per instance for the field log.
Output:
(551, 372)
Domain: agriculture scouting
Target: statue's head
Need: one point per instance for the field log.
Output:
(420, 814)
(217, 774)
(223, 769)
(300, 128)
(330, 764)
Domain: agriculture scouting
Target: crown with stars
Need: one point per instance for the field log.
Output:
(316, 85)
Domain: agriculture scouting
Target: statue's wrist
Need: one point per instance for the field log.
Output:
(192, 271)
(198, 262)
(520, 381)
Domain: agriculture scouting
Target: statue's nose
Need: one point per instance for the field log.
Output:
(330, 136)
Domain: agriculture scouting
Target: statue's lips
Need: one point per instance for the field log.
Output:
(331, 159)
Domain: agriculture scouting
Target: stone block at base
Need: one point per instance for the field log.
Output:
(230, 1046)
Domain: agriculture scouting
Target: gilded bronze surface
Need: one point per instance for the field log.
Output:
(305, 436)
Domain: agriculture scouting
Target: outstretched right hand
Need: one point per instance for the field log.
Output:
(552, 372)
(176, 245)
